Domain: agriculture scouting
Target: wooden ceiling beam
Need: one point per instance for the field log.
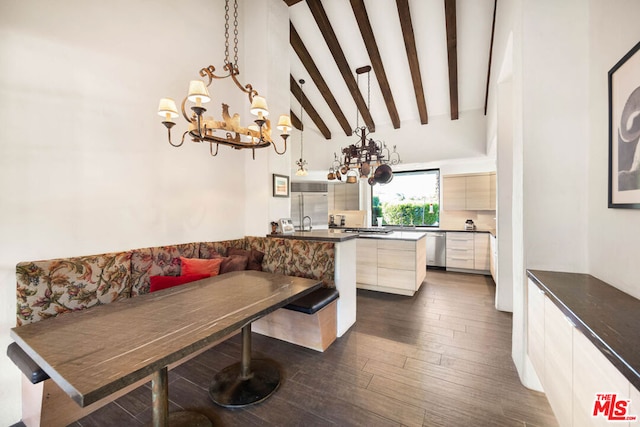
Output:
(412, 56)
(322, 20)
(308, 107)
(295, 121)
(321, 84)
(452, 54)
(360, 12)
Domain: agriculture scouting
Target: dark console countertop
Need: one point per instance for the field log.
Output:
(608, 317)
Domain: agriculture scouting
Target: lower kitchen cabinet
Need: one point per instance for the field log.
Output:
(460, 250)
(481, 252)
(468, 251)
(391, 265)
(572, 370)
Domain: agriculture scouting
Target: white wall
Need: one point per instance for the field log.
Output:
(612, 233)
(84, 163)
(562, 53)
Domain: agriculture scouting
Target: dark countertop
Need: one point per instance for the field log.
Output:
(411, 235)
(318, 235)
(608, 317)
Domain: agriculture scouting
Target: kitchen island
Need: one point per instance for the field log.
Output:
(393, 262)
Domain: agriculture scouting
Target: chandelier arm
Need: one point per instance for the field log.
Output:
(211, 149)
(276, 148)
(181, 141)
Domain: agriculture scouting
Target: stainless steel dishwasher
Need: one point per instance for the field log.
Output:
(436, 249)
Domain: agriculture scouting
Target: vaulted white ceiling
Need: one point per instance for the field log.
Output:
(470, 42)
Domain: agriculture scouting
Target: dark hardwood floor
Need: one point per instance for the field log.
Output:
(440, 358)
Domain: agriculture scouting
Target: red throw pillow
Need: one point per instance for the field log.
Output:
(255, 257)
(200, 266)
(233, 263)
(164, 282)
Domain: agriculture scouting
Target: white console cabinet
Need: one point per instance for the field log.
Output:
(571, 369)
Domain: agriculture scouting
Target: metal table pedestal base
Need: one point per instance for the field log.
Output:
(247, 382)
(230, 390)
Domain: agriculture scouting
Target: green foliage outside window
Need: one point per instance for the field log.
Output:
(411, 198)
(409, 214)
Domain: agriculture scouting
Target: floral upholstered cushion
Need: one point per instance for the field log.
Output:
(52, 287)
(158, 261)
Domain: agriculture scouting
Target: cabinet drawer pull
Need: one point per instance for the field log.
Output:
(540, 291)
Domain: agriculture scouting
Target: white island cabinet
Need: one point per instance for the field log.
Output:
(394, 263)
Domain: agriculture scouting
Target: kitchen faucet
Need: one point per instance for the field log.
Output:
(305, 217)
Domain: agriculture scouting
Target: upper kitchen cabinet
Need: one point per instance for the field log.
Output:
(344, 197)
(474, 192)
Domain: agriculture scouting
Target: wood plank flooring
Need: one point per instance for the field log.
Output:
(440, 358)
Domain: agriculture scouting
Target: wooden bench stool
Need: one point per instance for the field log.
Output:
(310, 321)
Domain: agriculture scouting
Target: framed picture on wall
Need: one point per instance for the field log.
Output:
(280, 185)
(624, 131)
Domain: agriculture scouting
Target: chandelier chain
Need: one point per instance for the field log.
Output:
(302, 126)
(357, 111)
(235, 33)
(226, 31)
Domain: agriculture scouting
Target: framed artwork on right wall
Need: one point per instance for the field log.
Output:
(624, 131)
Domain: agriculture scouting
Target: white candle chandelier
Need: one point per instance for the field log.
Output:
(228, 131)
(367, 159)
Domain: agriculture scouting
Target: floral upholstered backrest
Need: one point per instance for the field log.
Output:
(313, 260)
(51, 287)
(300, 258)
(210, 249)
(158, 261)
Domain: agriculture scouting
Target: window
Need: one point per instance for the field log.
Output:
(411, 198)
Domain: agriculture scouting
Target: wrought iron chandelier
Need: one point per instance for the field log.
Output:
(367, 159)
(227, 131)
(301, 163)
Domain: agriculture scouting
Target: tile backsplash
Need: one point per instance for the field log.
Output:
(484, 220)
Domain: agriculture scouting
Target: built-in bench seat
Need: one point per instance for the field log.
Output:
(309, 321)
(29, 368)
(50, 288)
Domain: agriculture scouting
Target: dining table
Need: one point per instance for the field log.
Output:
(95, 352)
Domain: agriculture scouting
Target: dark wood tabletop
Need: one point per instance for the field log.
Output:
(95, 352)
